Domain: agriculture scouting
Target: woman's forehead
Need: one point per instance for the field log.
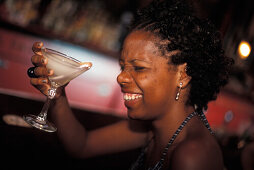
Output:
(141, 44)
(140, 41)
(141, 35)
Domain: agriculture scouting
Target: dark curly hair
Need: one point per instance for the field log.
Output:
(197, 40)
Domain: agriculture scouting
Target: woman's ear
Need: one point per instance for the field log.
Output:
(184, 78)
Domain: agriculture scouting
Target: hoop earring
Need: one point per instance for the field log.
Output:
(179, 90)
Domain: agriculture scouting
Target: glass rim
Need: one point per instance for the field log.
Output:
(62, 54)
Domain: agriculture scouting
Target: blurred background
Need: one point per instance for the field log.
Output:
(93, 30)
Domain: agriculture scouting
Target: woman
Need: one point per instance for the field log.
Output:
(172, 65)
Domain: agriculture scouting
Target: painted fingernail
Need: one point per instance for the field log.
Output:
(43, 61)
(44, 81)
(50, 72)
(39, 44)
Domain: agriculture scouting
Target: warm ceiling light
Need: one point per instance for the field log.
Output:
(244, 49)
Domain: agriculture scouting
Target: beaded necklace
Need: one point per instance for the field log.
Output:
(139, 162)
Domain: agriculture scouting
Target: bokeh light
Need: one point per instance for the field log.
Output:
(244, 49)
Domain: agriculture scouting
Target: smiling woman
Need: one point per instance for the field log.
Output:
(172, 65)
(147, 74)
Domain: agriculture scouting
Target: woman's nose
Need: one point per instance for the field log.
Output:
(123, 78)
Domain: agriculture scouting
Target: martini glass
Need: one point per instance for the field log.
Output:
(65, 69)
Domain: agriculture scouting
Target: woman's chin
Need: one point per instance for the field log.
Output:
(132, 115)
(136, 115)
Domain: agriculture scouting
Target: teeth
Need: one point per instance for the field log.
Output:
(129, 96)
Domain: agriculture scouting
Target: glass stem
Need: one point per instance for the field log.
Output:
(43, 115)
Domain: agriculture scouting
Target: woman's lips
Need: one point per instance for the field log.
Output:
(131, 96)
(130, 99)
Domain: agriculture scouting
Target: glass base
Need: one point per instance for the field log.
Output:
(42, 125)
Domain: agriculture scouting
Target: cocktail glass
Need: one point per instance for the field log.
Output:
(65, 69)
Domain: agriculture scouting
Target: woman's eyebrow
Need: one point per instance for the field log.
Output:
(138, 60)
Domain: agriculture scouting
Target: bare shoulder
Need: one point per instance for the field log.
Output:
(197, 153)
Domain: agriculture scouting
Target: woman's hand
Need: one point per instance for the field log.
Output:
(39, 73)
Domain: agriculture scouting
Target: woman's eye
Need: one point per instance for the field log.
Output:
(139, 68)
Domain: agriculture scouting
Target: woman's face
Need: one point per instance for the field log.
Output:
(148, 82)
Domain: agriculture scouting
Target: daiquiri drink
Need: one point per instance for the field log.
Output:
(65, 69)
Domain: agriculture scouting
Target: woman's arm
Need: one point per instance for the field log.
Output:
(113, 138)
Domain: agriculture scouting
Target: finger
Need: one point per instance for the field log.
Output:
(43, 72)
(35, 72)
(40, 84)
(39, 60)
(44, 88)
(37, 48)
(41, 81)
